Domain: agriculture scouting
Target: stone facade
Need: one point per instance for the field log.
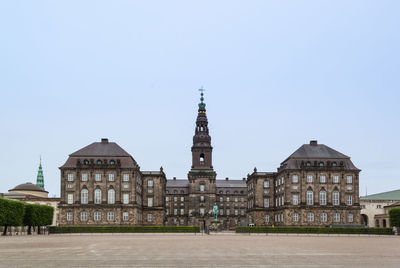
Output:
(102, 184)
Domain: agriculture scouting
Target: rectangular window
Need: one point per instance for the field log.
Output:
(125, 216)
(110, 216)
(97, 177)
(175, 198)
(295, 179)
(182, 199)
(310, 198)
(70, 186)
(236, 199)
(201, 198)
(70, 199)
(266, 184)
(70, 177)
(150, 190)
(97, 216)
(335, 179)
(126, 186)
(349, 217)
(84, 176)
(236, 212)
(242, 212)
(227, 199)
(175, 211)
(150, 183)
(125, 198)
(182, 222)
(201, 187)
(202, 211)
(149, 217)
(349, 187)
(167, 211)
(336, 217)
(335, 198)
(349, 199)
(111, 177)
(69, 216)
(228, 212)
(266, 202)
(310, 217)
(125, 177)
(84, 216)
(324, 217)
(295, 217)
(167, 199)
(266, 218)
(150, 201)
(349, 179)
(242, 200)
(221, 199)
(322, 179)
(182, 211)
(309, 178)
(295, 199)
(378, 206)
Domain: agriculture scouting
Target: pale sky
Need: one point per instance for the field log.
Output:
(277, 74)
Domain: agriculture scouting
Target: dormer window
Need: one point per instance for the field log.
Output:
(86, 162)
(334, 164)
(308, 164)
(112, 162)
(99, 162)
(202, 159)
(321, 164)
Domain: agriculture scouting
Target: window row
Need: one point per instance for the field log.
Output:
(98, 197)
(97, 216)
(235, 199)
(182, 211)
(182, 198)
(228, 212)
(97, 177)
(322, 179)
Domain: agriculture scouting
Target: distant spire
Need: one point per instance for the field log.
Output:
(202, 105)
(39, 178)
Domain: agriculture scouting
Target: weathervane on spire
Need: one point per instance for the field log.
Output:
(202, 105)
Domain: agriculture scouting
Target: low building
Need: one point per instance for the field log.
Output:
(373, 211)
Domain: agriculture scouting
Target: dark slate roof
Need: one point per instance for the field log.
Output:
(28, 187)
(230, 183)
(391, 195)
(152, 173)
(101, 149)
(317, 151)
(178, 183)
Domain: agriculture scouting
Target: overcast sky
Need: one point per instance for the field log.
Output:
(277, 74)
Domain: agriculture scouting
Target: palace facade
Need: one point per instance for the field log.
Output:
(102, 184)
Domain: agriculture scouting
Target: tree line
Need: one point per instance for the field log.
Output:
(17, 213)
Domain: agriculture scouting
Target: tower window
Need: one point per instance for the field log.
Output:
(202, 159)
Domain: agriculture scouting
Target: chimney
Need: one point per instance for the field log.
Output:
(226, 178)
(314, 143)
(174, 178)
(104, 140)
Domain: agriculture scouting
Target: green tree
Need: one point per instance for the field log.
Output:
(394, 217)
(11, 213)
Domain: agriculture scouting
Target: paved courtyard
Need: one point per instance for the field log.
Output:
(222, 250)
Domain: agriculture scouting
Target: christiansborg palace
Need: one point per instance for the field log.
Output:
(101, 184)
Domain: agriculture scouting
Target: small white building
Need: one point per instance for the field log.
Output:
(373, 208)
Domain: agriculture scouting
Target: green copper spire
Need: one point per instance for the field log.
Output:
(202, 105)
(40, 179)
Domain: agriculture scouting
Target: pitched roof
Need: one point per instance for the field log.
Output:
(317, 151)
(231, 183)
(178, 183)
(103, 148)
(391, 195)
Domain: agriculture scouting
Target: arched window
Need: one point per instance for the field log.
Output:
(322, 198)
(111, 196)
(335, 198)
(202, 159)
(85, 162)
(308, 164)
(97, 196)
(334, 164)
(99, 162)
(84, 196)
(321, 164)
(112, 162)
(310, 197)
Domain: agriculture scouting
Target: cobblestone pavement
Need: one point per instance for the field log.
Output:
(184, 250)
